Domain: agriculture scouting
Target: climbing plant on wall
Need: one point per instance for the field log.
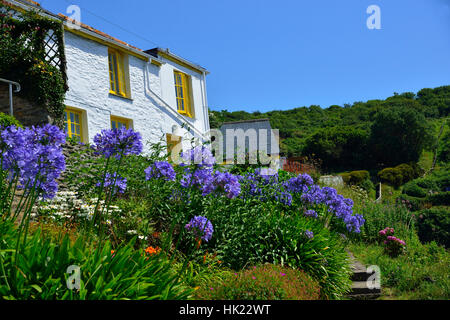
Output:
(32, 53)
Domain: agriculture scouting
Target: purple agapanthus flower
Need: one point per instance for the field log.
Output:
(118, 142)
(160, 169)
(34, 157)
(308, 234)
(311, 213)
(114, 180)
(200, 156)
(228, 183)
(201, 227)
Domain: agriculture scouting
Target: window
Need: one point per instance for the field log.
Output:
(173, 146)
(117, 75)
(117, 123)
(182, 93)
(73, 124)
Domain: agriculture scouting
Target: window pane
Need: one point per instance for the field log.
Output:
(71, 117)
(78, 130)
(77, 118)
(72, 128)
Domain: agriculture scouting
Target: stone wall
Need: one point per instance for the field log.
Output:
(27, 112)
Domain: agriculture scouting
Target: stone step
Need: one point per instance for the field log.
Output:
(360, 288)
(361, 275)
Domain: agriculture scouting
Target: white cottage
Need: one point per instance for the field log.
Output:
(113, 84)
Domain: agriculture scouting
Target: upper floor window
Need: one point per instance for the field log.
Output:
(117, 73)
(183, 94)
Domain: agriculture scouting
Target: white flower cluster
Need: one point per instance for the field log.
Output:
(66, 205)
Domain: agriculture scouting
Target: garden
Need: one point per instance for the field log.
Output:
(105, 221)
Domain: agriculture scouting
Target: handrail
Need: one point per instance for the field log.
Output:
(18, 88)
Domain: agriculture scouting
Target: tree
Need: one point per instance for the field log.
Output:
(398, 135)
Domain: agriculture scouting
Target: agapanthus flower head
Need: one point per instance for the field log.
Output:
(311, 213)
(228, 183)
(200, 156)
(160, 169)
(308, 234)
(114, 181)
(201, 227)
(299, 184)
(118, 142)
(33, 156)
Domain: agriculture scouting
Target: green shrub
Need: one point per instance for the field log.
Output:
(427, 184)
(398, 175)
(434, 225)
(7, 120)
(439, 199)
(392, 176)
(412, 203)
(412, 189)
(355, 177)
(266, 282)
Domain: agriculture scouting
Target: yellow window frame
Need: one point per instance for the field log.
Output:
(117, 79)
(117, 122)
(73, 122)
(182, 93)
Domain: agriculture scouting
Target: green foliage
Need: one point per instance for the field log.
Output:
(439, 198)
(264, 282)
(412, 189)
(434, 225)
(338, 147)
(398, 175)
(40, 271)
(22, 59)
(379, 216)
(298, 125)
(398, 136)
(7, 120)
(359, 178)
(443, 152)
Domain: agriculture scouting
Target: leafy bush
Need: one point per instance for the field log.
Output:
(434, 225)
(398, 175)
(412, 189)
(392, 176)
(355, 177)
(7, 120)
(412, 203)
(264, 282)
(439, 198)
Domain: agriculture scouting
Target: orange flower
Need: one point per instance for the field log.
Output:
(156, 235)
(151, 251)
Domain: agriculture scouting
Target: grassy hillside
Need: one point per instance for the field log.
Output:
(301, 126)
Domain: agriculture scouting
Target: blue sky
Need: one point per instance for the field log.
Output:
(274, 55)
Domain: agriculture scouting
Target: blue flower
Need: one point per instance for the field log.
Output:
(115, 181)
(311, 213)
(160, 169)
(200, 227)
(308, 234)
(118, 142)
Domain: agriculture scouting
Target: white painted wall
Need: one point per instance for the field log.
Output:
(152, 93)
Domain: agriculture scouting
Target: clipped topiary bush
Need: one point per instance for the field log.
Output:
(434, 225)
(391, 176)
(440, 198)
(413, 190)
(265, 282)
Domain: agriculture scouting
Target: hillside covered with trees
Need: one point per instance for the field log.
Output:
(364, 135)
